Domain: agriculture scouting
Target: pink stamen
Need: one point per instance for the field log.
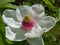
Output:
(28, 26)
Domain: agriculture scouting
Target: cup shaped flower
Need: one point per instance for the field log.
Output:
(18, 30)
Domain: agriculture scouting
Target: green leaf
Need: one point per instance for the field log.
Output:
(26, 3)
(9, 5)
(52, 1)
(5, 1)
(58, 14)
(2, 30)
(8, 41)
(1, 41)
(2, 26)
(49, 5)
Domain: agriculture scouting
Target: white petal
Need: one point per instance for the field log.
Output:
(41, 14)
(36, 41)
(11, 22)
(14, 34)
(18, 14)
(27, 10)
(24, 10)
(10, 14)
(38, 17)
(38, 8)
(35, 32)
(47, 22)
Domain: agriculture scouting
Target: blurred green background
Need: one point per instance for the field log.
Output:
(52, 8)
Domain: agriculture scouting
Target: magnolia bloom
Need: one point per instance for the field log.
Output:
(16, 30)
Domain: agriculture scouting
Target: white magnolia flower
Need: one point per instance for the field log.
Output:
(42, 24)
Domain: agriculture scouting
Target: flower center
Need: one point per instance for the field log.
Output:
(27, 23)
